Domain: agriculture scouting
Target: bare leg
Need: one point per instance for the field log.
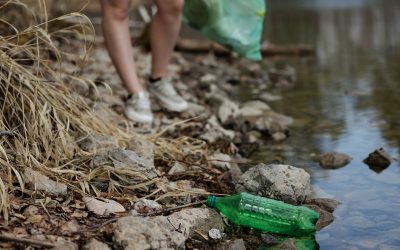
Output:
(164, 32)
(115, 24)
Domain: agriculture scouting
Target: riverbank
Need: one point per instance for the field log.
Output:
(77, 170)
(183, 157)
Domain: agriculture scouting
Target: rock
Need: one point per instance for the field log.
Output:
(147, 206)
(252, 109)
(102, 206)
(257, 115)
(66, 246)
(208, 78)
(279, 136)
(199, 219)
(94, 244)
(252, 136)
(237, 244)
(215, 132)
(215, 96)
(196, 110)
(325, 217)
(176, 168)
(334, 160)
(44, 183)
(272, 122)
(143, 148)
(280, 182)
(267, 97)
(327, 204)
(221, 161)
(162, 232)
(30, 211)
(227, 112)
(70, 227)
(97, 143)
(379, 160)
(297, 243)
(269, 239)
(120, 158)
(214, 234)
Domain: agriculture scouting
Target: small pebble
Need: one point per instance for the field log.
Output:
(214, 234)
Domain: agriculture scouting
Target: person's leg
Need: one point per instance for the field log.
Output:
(115, 24)
(164, 32)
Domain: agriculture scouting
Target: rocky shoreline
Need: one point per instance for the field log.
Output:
(231, 130)
(223, 126)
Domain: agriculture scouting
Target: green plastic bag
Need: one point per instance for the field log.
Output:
(236, 24)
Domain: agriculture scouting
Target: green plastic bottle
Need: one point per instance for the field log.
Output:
(265, 214)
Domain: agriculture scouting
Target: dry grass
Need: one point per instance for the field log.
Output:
(41, 119)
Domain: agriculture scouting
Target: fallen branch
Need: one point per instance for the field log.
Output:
(26, 241)
(267, 49)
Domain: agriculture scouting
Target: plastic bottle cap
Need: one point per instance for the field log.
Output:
(211, 202)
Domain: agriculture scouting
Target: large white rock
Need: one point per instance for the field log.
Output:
(280, 182)
(164, 232)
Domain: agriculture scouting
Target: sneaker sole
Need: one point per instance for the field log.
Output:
(169, 106)
(138, 118)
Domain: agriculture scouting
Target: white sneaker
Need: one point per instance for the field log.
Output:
(138, 109)
(167, 95)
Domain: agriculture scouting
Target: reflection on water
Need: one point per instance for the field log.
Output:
(346, 100)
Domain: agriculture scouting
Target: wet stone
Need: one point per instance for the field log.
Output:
(280, 182)
(379, 159)
(327, 204)
(325, 217)
(334, 160)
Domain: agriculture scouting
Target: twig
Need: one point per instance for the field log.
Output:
(94, 229)
(7, 133)
(174, 208)
(26, 241)
(244, 161)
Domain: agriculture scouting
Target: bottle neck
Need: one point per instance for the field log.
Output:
(211, 201)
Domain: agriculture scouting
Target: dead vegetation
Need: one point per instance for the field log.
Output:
(42, 119)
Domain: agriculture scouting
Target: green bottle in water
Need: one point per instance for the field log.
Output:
(265, 214)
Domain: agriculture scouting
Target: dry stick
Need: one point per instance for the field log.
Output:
(175, 208)
(149, 214)
(7, 133)
(26, 241)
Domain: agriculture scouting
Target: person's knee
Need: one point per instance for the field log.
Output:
(118, 9)
(170, 8)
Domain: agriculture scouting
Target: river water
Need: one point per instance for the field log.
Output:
(346, 99)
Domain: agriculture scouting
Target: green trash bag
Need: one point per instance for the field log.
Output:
(236, 24)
